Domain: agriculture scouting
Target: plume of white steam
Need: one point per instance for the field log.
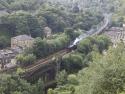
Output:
(94, 31)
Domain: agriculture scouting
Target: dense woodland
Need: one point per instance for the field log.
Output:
(95, 67)
(32, 21)
(105, 75)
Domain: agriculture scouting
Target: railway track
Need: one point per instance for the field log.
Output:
(36, 64)
(106, 23)
(48, 59)
(95, 31)
(44, 62)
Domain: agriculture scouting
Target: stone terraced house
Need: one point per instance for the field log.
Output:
(22, 41)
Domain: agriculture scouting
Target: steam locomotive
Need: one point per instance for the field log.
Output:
(73, 46)
(91, 32)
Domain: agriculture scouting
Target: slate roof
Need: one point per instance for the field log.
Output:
(116, 29)
(5, 52)
(2, 13)
(17, 50)
(23, 37)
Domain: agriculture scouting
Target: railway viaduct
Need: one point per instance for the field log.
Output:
(46, 69)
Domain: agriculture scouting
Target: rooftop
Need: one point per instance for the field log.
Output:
(116, 29)
(23, 37)
(5, 52)
(3, 12)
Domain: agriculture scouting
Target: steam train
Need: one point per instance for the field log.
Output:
(73, 46)
(93, 31)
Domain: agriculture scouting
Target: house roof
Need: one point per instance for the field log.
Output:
(116, 29)
(2, 13)
(10, 65)
(17, 50)
(23, 37)
(5, 52)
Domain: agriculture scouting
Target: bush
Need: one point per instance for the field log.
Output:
(72, 63)
(72, 79)
(4, 42)
(25, 60)
(101, 42)
(43, 48)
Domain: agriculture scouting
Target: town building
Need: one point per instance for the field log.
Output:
(5, 56)
(22, 41)
(116, 34)
(18, 44)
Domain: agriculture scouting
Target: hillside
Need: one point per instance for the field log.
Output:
(55, 49)
(32, 21)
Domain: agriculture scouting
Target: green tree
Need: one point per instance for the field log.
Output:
(24, 23)
(71, 33)
(43, 48)
(14, 85)
(72, 63)
(50, 91)
(72, 79)
(103, 43)
(25, 60)
(55, 18)
(105, 76)
(61, 78)
(85, 46)
(16, 92)
(4, 42)
(39, 87)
